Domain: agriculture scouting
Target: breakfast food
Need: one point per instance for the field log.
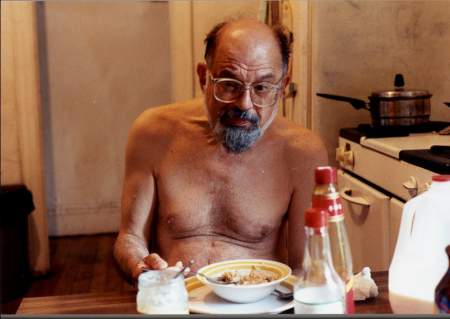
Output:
(255, 276)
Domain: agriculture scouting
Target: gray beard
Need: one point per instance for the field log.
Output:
(238, 139)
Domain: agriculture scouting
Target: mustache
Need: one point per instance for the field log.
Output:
(238, 113)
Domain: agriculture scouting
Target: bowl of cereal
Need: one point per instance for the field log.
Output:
(243, 280)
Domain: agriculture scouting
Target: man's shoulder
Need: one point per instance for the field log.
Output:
(300, 145)
(174, 112)
(297, 137)
(161, 118)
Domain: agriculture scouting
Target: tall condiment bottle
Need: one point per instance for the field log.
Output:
(325, 196)
(442, 292)
(320, 290)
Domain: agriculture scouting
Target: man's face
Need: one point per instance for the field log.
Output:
(247, 52)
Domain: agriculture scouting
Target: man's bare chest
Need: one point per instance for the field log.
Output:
(244, 200)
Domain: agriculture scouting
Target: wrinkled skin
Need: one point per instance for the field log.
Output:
(186, 196)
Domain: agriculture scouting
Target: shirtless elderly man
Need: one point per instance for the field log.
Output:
(217, 178)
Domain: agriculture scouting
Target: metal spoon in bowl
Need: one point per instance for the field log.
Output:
(216, 281)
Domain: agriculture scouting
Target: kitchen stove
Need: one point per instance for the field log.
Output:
(379, 170)
(419, 145)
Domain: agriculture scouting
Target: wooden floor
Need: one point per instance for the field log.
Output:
(79, 264)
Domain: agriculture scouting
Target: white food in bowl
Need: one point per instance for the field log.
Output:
(244, 293)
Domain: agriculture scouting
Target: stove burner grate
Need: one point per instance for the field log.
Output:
(370, 131)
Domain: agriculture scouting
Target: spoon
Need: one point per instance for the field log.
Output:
(215, 281)
(283, 295)
(190, 263)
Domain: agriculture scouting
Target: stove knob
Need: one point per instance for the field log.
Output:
(344, 158)
(349, 159)
(340, 155)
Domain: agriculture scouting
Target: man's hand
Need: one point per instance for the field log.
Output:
(155, 262)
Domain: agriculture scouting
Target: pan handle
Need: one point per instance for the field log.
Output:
(447, 103)
(356, 103)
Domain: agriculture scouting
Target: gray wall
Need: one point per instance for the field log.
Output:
(102, 65)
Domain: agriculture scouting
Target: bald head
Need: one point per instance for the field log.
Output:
(243, 32)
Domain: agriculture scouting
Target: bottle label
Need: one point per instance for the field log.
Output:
(336, 307)
(332, 203)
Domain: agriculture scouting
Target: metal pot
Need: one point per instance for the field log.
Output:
(397, 107)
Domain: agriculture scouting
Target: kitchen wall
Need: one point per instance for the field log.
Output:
(102, 64)
(358, 46)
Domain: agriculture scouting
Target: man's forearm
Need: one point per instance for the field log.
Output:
(129, 250)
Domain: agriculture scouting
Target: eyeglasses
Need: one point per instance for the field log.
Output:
(262, 94)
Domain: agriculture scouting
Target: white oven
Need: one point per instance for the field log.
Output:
(376, 176)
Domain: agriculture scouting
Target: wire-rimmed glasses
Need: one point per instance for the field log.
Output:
(263, 94)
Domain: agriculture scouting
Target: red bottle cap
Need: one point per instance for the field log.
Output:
(440, 178)
(315, 217)
(325, 175)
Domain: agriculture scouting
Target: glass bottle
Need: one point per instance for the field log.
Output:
(320, 290)
(442, 293)
(325, 196)
(162, 292)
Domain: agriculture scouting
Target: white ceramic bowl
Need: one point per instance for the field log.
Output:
(243, 293)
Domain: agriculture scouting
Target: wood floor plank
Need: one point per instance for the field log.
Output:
(100, 268)
(84, 271)
(80, 264)
(68, 262)
(45, 286)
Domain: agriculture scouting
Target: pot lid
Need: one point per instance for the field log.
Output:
(400, 91)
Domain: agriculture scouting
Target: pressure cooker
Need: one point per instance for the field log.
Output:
(396, 107)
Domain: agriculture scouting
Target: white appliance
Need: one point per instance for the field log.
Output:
(420, 260)
(377, 175)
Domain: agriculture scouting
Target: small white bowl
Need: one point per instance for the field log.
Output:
(243, 293)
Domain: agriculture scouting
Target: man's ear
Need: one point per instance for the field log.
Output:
(201, 72)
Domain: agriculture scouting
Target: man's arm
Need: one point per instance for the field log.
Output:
(306, 155)
(138, 206)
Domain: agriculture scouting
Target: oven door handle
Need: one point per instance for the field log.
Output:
(346, 193)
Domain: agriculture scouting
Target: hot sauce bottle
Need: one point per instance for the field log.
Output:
(326, 197)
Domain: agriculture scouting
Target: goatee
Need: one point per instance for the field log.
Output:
(238, 139)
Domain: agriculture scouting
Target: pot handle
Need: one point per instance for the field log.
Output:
(356, 103)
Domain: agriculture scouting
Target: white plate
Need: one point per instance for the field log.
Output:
(203, 300)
